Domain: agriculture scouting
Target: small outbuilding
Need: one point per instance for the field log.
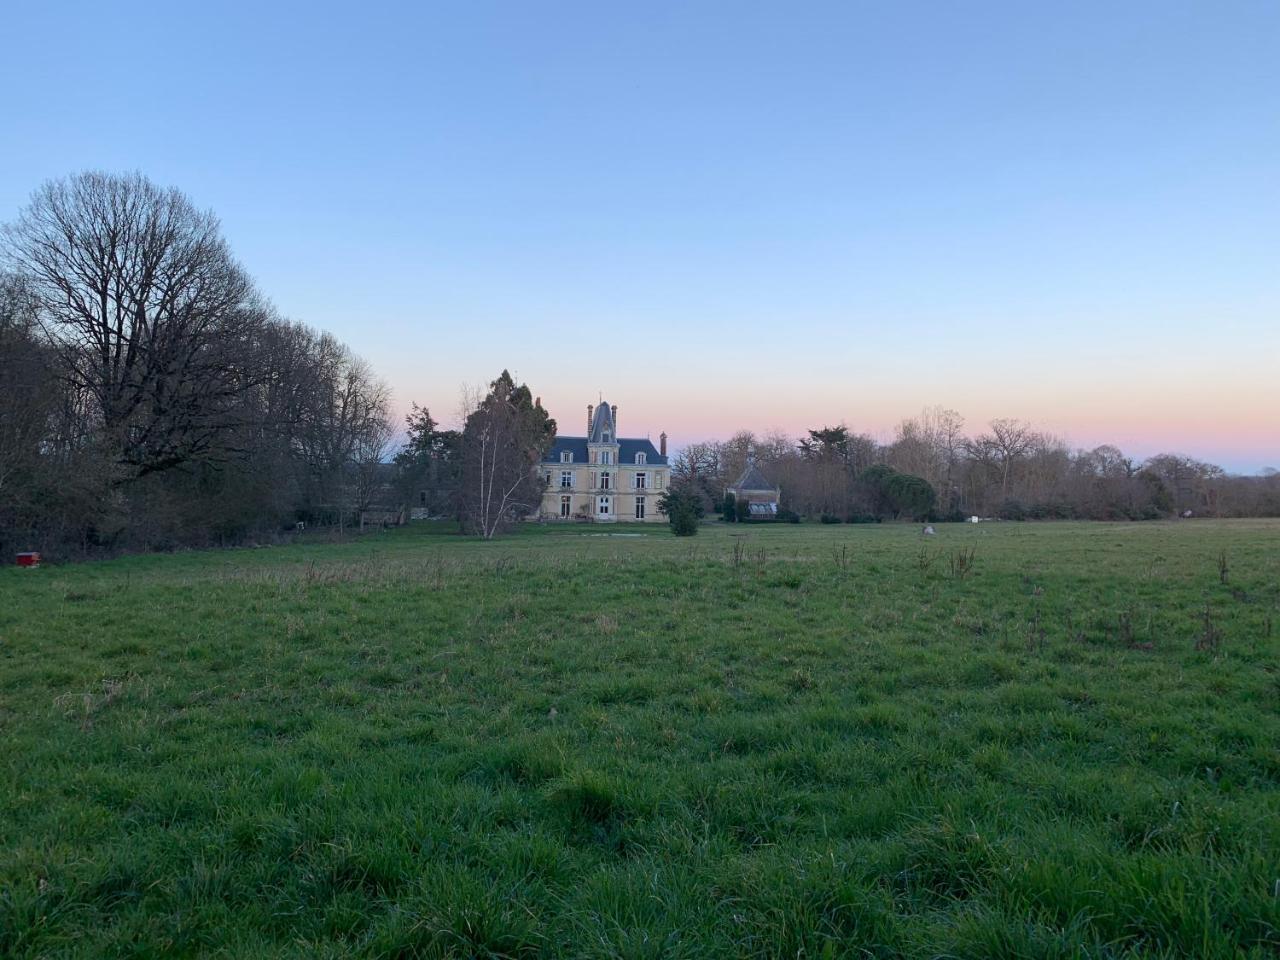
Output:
(755, 490)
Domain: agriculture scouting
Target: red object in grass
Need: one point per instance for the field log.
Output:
(29, 559)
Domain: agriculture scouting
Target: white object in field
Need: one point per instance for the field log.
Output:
(973, 519)
(929, 531)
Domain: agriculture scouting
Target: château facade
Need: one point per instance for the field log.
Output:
(603, 477)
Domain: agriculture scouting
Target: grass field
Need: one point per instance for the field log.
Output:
(802, 741)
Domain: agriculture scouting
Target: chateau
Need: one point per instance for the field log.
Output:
(604, 477)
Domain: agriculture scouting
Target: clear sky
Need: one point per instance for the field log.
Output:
(723, 215)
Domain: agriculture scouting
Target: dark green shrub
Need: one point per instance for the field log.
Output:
(895, 494)
(728, 508)
(1012, 510)
(829, 518)
(683, 510)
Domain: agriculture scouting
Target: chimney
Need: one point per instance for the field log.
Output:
(662, 443)
(613, 412)
(590, 410)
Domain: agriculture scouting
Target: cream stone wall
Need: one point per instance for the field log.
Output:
(587, 488)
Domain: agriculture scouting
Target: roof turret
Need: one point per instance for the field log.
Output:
(603, 429)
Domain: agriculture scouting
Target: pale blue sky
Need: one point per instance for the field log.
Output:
(723, 214)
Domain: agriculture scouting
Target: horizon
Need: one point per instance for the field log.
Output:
(884, 436)
(728, 217)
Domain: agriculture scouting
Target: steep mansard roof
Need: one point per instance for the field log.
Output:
(601, 421)
(752, 479)
(628, 447)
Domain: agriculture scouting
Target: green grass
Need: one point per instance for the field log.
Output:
(566, 744)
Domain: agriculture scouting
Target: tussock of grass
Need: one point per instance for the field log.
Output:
(1038, 741)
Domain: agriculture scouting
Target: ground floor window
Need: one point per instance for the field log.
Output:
(603, 506)
(639, 508)
(564, 506)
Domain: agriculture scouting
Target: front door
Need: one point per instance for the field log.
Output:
(602, 507)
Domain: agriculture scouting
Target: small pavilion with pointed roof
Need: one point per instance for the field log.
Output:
(760, 495)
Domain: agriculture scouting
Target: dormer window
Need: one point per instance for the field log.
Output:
(566, 456)
(606, 457)
(607, 437)
(642, 458)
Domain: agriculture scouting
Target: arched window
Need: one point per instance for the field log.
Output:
(642, 458)
(566, 456)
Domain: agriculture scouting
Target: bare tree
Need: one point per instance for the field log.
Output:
(344, 426)
(1006, 444)
(151, 315)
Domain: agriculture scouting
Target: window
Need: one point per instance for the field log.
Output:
(606, 456)
(566, 478)
(642, 458)
(604, 480)
(657, 480)
(566, 456)
(422, 498)
(548, 479)
(606, 436)
(602, 507)
(639, 508)
(564, 506)
(641, 480)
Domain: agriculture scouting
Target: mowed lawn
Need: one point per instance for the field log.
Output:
(786, 741)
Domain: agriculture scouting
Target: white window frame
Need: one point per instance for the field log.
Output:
(639, 508)
(603, 506)
(642, 458)
(606, 457)
(566, 506)
(566, 456)
(566, 479)
(604, 480)
(641, 481)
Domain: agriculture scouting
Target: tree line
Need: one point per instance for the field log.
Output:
(152, 396)
(933, 468)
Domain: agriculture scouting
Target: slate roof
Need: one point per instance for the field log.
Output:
(628, 447)
(753, 479)
(601, 421)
